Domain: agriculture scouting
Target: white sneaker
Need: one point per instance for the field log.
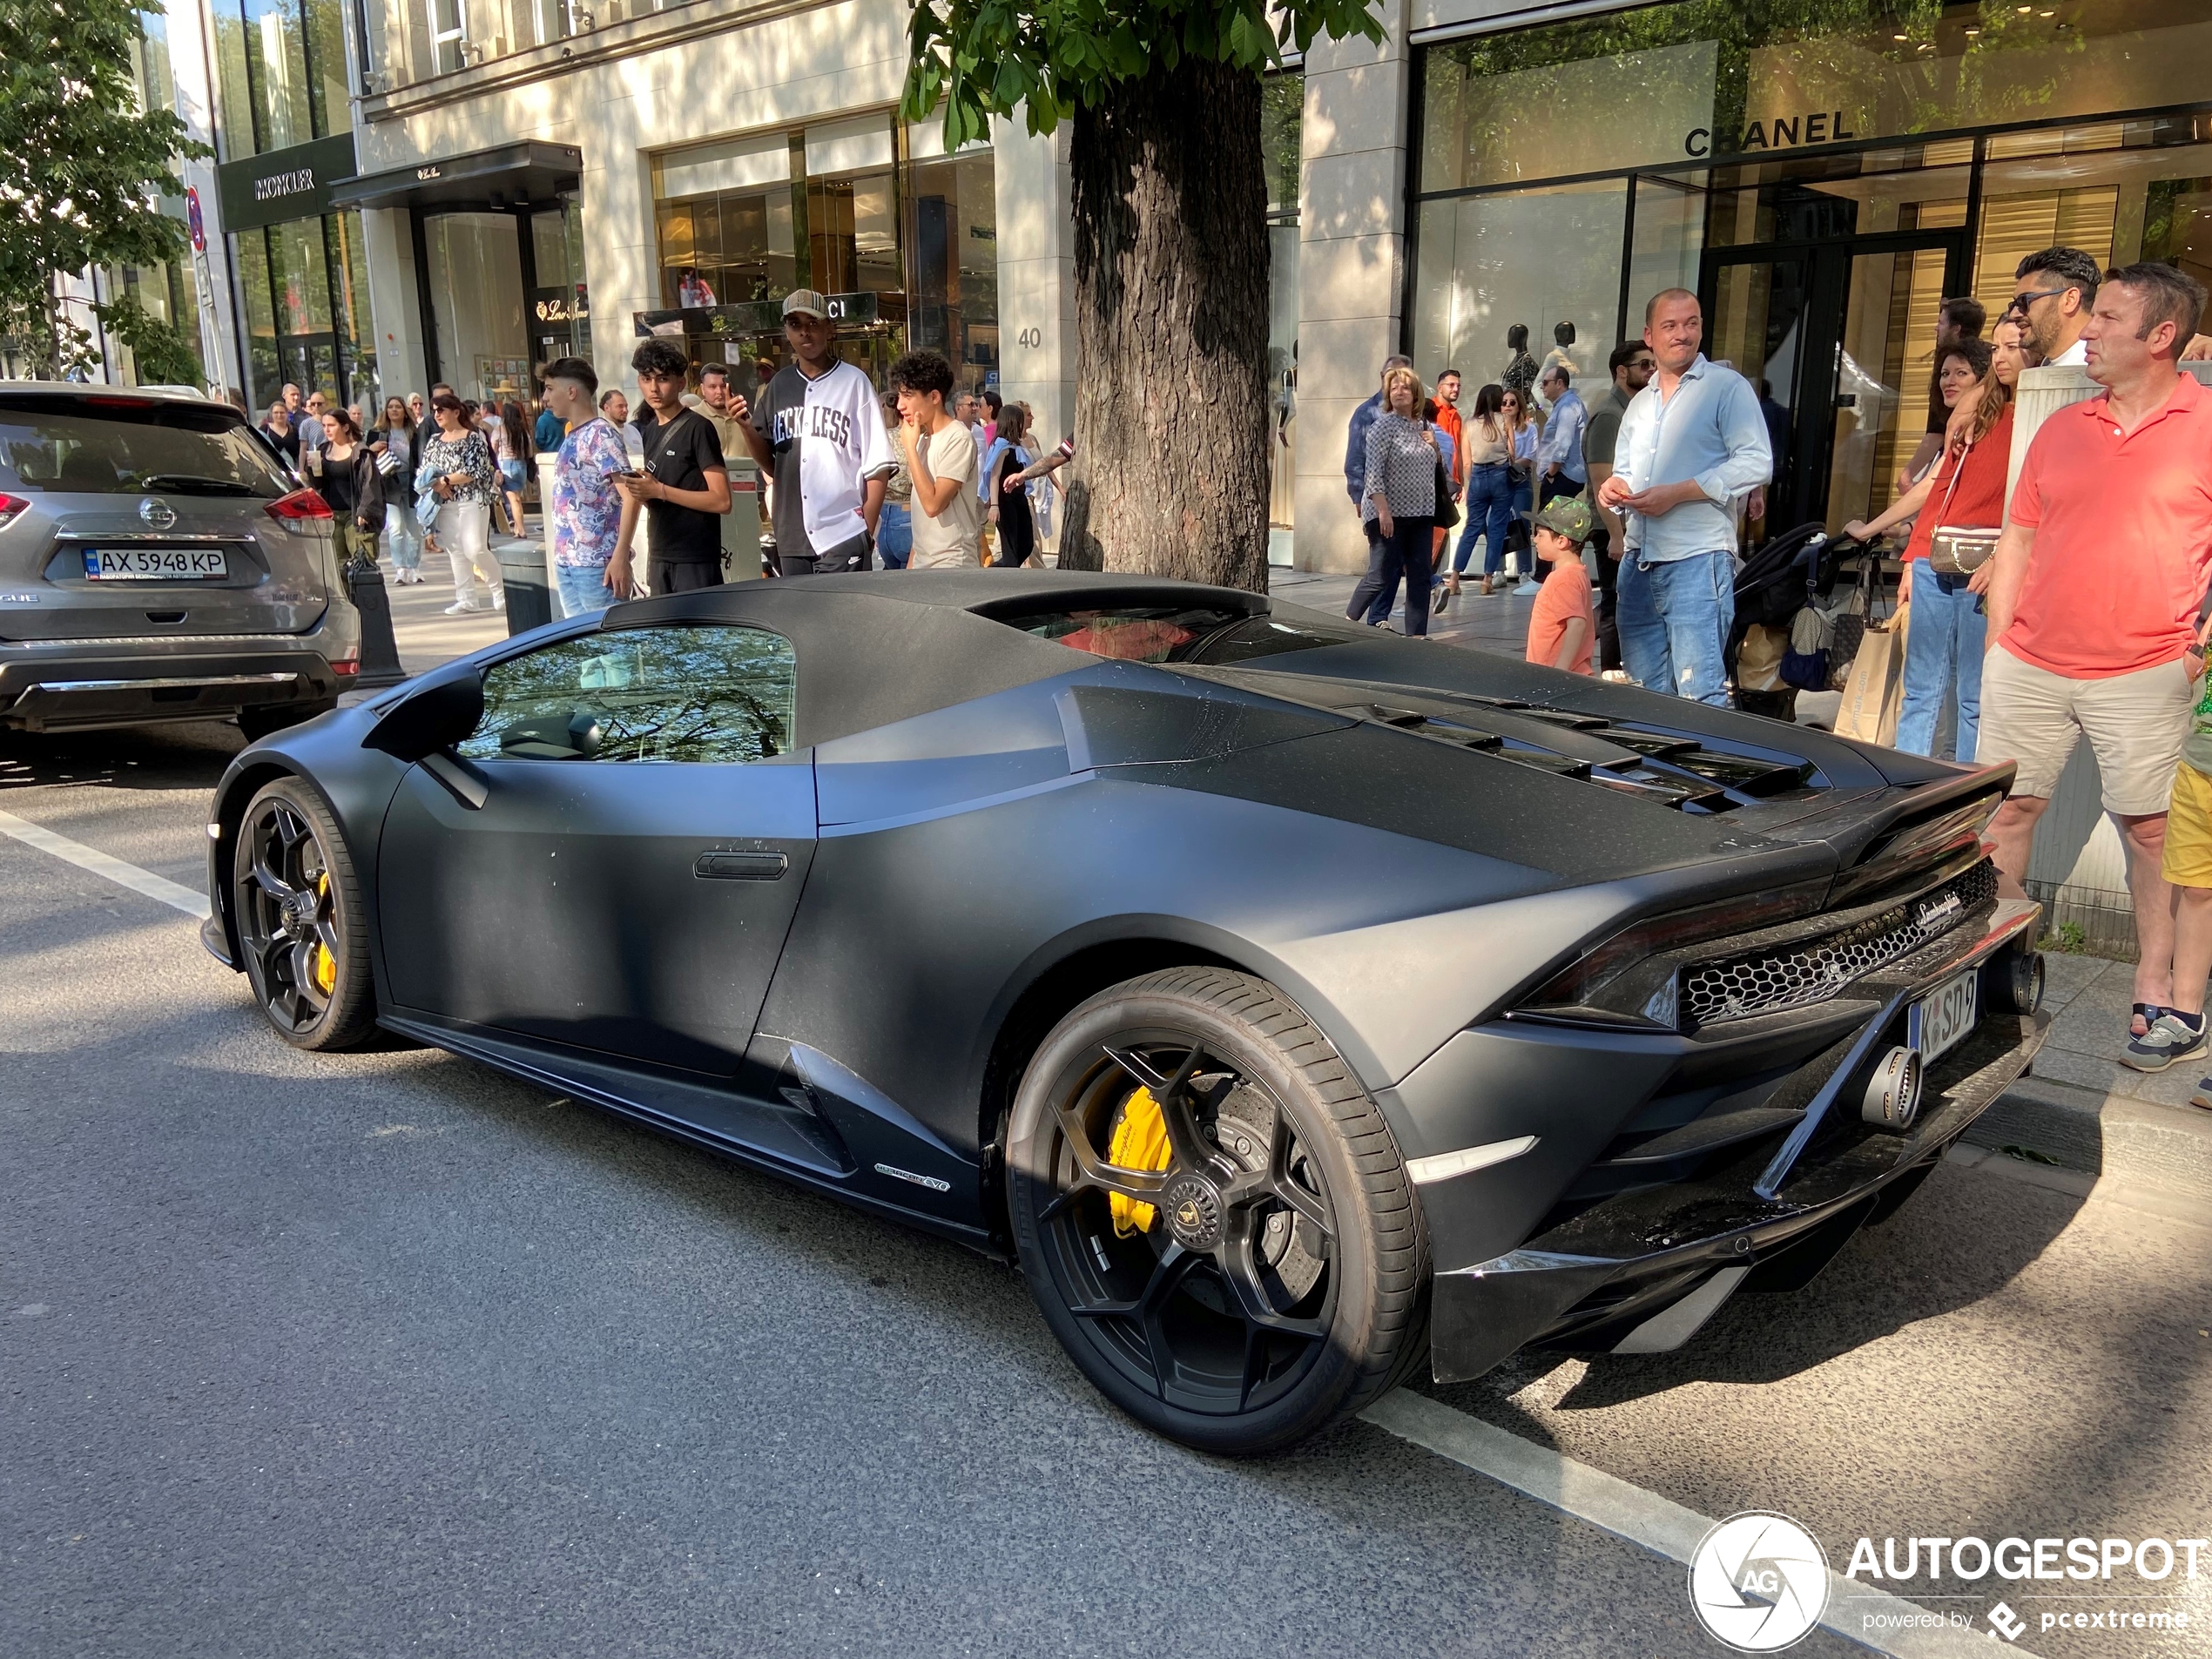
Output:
(1526, 588)
(499, 601)
(462, 609)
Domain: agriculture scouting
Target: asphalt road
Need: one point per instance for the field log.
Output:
(387, 1354)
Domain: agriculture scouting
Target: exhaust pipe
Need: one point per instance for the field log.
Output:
(1893, 1098)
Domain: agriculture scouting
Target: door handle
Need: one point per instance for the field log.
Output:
(740, 866)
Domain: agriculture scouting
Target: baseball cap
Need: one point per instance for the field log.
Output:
(804, 302)
(1567, 515)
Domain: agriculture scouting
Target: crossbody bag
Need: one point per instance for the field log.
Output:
(1959, 550)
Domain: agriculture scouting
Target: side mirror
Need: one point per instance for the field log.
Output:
(446, 709)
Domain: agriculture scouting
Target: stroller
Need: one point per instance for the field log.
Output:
(1793, 569)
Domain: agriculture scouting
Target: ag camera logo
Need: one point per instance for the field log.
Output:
(1758, 1583)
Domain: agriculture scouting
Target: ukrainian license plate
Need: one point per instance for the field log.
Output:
(155, 565)
(1940, 1021)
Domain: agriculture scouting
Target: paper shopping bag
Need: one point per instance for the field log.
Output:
(1874, 695)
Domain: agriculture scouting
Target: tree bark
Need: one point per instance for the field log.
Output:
(1170, 475)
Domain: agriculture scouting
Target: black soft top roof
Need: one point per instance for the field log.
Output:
(879, 646)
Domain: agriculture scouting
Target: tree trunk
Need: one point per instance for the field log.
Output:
(1171, 475)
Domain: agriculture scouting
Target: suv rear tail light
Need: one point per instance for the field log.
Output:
(11, 509)
(300, 505)
(348, 665)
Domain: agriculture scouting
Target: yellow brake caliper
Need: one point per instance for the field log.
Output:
(1139, 1142)
(325, 967)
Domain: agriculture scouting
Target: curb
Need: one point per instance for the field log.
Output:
(2137, 1141)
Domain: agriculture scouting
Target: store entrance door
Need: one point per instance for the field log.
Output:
(1839, 340)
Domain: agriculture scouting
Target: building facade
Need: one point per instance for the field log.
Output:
(526, 179)
(1820, 175)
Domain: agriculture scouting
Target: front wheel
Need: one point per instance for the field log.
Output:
(300, 919)
(1212, 1215)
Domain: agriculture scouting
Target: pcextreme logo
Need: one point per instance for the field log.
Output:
(1758, 1583)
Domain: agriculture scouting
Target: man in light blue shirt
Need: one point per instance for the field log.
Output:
(1692, 444)
(1561, 453)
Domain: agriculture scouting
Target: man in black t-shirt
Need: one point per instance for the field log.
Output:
(685, 488)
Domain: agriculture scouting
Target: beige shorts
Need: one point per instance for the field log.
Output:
(2135, 724)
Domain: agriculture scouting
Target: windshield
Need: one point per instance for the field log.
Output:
(126, 447)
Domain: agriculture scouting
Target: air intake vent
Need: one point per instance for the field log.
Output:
(1815, 969)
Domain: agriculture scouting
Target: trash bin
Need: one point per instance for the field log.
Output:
(521, 572)
(380, 659)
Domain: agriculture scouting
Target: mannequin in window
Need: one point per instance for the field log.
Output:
(1521, 370)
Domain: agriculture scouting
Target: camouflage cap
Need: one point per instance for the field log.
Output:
(1570, 516)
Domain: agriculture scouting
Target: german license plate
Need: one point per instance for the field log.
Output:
(1940, 1021)
(155, 565)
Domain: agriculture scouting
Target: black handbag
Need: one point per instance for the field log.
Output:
(1447, 510)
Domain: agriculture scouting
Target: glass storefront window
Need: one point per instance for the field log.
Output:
(476, 297)
(303, 288)
(1532, 259)
(954, 204)
(330, 106)
(234, 87)
(1693, 79)
(277, 59)
(250, 252)
(914, 248)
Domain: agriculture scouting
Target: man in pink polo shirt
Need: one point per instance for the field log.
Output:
(2094, 594)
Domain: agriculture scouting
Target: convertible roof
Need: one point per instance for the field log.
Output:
(879, 646)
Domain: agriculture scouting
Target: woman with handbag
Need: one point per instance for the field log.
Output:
(1403, 466)
(464, 483)
(346, 478)
(391, 443)
(1488, 499)
(1960, 508)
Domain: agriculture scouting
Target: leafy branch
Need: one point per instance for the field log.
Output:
(982, 58)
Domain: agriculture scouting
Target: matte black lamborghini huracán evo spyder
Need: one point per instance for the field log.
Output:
(1295, 1004)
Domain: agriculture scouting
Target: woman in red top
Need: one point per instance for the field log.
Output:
(1965, 490)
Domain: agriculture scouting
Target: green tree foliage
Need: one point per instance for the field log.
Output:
(987, 57)
(80, 163)
(167, 354)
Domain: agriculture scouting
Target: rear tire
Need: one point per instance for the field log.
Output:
(1280, 1283)
(301, 923)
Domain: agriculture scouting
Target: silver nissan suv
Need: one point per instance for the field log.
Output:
(158, 561)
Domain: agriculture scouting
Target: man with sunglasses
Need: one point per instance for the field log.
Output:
(2053, 294)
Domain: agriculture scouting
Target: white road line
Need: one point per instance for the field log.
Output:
(1658, 1524)
(99, 863)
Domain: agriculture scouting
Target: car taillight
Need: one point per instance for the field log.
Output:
(344, 666)
(11, 509)
(300, 503)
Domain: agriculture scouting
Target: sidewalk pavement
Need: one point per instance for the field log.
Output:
(2081, 1115)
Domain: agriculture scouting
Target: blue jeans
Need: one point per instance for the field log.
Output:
(584, 588)
(1949, 629)
(894, 536)
(1675, 622)
(402, 533)
(1488, 509)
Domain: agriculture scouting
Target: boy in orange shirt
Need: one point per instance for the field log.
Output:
(1562, 625)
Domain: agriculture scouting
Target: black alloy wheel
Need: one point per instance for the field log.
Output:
(298, 909)
(1257, 1270)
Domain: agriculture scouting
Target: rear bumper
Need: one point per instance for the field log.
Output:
(1640, 1271)
(89, 684)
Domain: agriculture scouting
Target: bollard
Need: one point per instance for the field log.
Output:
(529, 596)
(379, 649)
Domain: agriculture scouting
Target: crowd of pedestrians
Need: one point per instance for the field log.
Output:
(917, 474)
